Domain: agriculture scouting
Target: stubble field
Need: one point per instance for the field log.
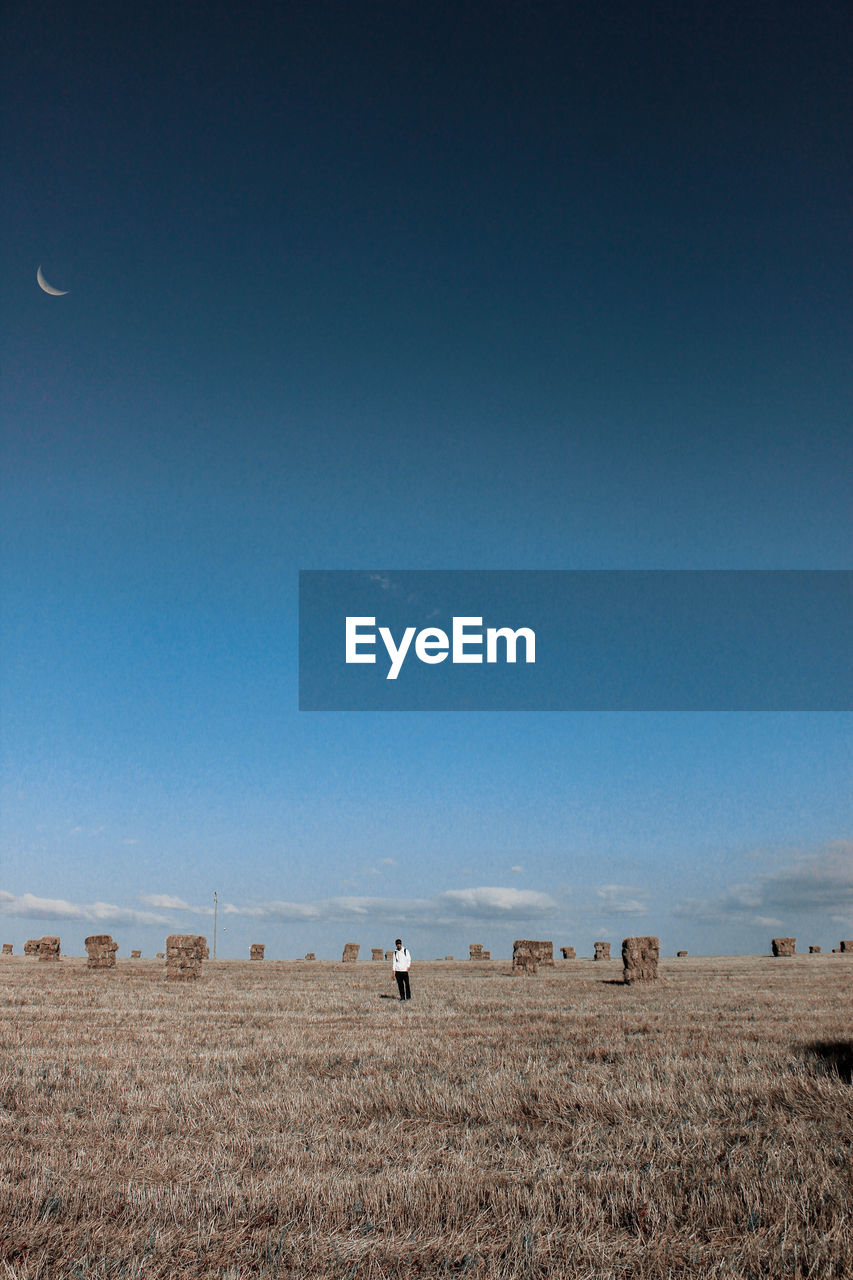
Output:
(290, 1120)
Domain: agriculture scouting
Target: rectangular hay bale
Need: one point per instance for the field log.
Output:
(48, 947)
(101, 951)
(184, 954)
(525, 958)
(640, 959)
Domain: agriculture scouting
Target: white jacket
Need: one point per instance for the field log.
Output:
(402, 960)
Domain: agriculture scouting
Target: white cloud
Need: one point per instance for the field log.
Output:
(167, 902)
(818, 883)
(622, 900)
(30, 907)
(285, 911)
(487, 902)
(455, 904)
(383, 581)
(388, 862)
(164, 900)
(517, 870)
(490, 902)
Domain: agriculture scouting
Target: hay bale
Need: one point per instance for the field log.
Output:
(31, 947)
(475, 951)
(101, 951)
(525, 959)
(486, 955)
(7, 948)
(48, 947)
(256, 950)
(309, 955)
(136, 955)
(640, 959)
(681, 953)
(602, 951)
(184, 954)
(376, 953)
(783, 946)
(350, 953)
(814, 951)
(846, 944)
(543, 951)
(161, 955)
(448, 957)
(568, 953)
(389, 955)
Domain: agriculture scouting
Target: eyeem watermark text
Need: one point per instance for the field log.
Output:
(432, 645)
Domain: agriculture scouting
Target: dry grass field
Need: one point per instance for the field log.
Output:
(286, 1120)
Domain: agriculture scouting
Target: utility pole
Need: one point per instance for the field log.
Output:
(215, 906)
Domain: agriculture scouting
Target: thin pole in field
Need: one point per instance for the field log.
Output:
(215, 906)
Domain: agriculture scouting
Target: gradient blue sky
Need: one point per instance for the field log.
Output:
(402, 286)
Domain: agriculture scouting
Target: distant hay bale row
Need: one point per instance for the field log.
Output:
(376, 953)
(101, 951)
(602, 951)
(256, 950)
(350, 953)
(136, 955)
(184, 954)
(389, 955)
(310, 955)
(846, 944)
(475, 951)
(681, 953)
(7, 948)
(640, 959)
(784, 946)
(568, 953)
(814, 951)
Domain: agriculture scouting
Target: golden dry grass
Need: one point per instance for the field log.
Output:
(284, 1120)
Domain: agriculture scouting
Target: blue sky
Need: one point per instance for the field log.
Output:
(471, 288)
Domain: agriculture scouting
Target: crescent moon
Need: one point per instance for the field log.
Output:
(48, 288)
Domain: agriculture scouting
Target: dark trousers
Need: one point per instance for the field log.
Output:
(403, 985)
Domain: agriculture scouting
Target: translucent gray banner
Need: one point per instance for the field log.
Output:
(547, 640)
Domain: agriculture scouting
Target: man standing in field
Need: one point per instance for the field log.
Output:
(400, 968)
